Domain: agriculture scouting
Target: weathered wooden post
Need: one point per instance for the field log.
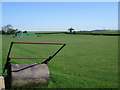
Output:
(2, 84)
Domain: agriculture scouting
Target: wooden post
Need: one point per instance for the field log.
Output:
(2, 84)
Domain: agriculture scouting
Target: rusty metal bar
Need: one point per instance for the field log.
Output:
(10, 49)
(38, 43)
(28, 58)
(8, 59)
(46, 61)
(58, 50)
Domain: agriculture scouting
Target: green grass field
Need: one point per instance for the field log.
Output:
(107, 32)
(97, 32)
(85, 62)
(101, 32)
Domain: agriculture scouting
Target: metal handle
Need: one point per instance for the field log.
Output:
(38, 43)
(47, 59)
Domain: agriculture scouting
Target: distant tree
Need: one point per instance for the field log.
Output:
(70, 29)
(3, 32)
(4, 28)
(11, 31)
(9, 26)
(74, 32)
(24, 31)
(8, 29)
(19, 31)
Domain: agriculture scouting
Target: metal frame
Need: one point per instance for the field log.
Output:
(47, 58)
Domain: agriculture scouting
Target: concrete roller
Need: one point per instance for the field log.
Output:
(24, 75)
(28, 75)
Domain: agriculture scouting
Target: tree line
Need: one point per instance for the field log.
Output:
(8, 30)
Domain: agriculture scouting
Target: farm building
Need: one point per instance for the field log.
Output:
(25, 35)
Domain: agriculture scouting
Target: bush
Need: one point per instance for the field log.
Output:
(11, 31)
(3, 32)
(24, 31)
(19, 31)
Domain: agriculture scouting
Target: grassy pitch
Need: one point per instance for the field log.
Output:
(85, 62)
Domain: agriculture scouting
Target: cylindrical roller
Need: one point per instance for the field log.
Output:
(27, 75)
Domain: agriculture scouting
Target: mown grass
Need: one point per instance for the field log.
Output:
(101, 32)
(108, 32)
(85, 62)
(97, 32)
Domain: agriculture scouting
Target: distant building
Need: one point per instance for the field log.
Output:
(25, 35)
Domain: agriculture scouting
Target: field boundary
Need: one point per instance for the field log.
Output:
(81, 33)
(96, 34)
